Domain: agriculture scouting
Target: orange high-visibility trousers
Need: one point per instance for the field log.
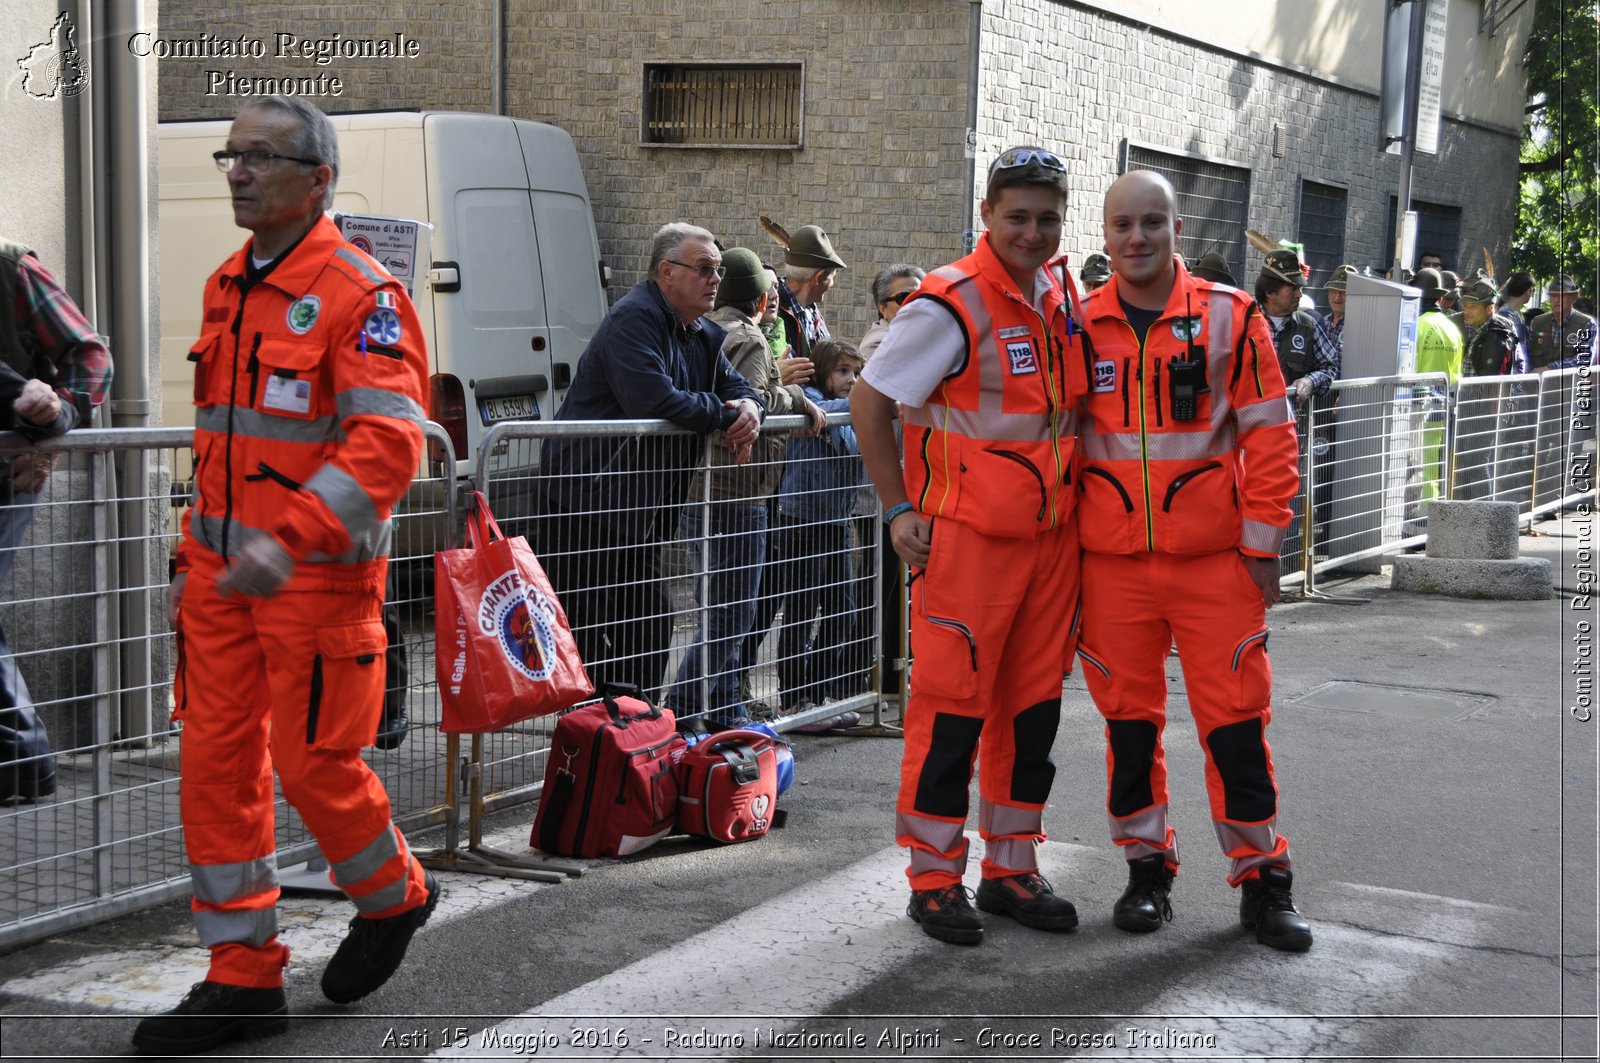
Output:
(293, 682)
(992, 624)
(1135, 606)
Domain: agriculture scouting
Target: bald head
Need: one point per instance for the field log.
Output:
(1141, 230)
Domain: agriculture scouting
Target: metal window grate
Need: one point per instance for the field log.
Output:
(1321, 229)
(1213, 201)
(756, 105)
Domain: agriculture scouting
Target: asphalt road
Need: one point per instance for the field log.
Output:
(1439, 794)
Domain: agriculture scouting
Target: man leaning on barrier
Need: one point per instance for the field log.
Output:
(607, 503)
(54, 369)
(309, 379)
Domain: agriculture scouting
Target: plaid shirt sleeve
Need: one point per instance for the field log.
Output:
(50, 322)
(1326, 357)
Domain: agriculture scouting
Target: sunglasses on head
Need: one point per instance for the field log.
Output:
(1023, 156)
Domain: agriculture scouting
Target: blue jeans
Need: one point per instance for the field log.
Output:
(730, 561)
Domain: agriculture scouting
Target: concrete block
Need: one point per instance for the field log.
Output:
(1472, 530)
(1523, 579)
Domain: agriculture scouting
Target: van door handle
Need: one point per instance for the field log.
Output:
(445, 277)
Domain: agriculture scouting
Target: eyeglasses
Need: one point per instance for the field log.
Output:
(706, 272)
(1023, 156)
(900, 297)
(255, 161)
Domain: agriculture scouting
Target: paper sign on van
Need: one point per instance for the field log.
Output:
(392, 242)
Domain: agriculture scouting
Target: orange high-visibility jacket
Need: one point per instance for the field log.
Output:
(1219, 481)
(994, 444)
(308, 389)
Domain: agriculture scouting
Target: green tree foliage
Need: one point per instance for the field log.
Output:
(1558, 223)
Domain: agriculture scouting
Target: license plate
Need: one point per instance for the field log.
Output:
(509, 408)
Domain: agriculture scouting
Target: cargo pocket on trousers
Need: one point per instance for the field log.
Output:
(346, 696)
(1253, 672)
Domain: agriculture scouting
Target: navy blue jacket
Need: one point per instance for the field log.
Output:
(642, 362)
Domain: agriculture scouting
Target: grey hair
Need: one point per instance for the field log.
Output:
(801, 274)
(314, 137)
(891, 273)
(671, 236)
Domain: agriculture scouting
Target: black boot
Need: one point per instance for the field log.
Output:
(1143, 906)
(213, 1014)
(396, 723)
(946, 914)
(373, 949)
(1267, 907)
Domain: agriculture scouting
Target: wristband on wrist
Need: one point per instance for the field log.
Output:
(894, 511)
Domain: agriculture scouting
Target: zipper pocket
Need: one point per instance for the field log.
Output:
(966, 632)
(1158, 392)
(269, 473)
(1094, 470)
(1127, 413)
(314, 708)
(1044, 496)
(1172, 488)
(646, 752)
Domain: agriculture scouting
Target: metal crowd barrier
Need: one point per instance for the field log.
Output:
(99, 662)
(84, 612)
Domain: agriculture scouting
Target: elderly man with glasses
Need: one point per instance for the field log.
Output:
(607, 502)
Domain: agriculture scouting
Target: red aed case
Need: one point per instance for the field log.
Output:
(728, 787)
(610, 788)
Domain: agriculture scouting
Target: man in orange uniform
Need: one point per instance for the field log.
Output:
(987, 370)
(1189, 465)
(308, 391)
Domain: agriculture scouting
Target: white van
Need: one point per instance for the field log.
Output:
(513, 288)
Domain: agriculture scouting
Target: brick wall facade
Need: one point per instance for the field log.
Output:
(882, 168)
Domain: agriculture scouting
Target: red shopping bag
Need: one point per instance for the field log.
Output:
(502, 647)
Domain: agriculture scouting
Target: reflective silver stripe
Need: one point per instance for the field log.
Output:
(1238, 651)
(221, 883)
(379, 402)
(370, 860)
(1013, 854)
(994, 820)
(1148, 827)
(362, 266)
(208, 532)
(387, 897)
(254, 927)
(259, 425)
(1159, 446)
(1262, 537)
(1249, 845)
(934, 833)
(1263, 414)
(347, 499)
(1219, 358)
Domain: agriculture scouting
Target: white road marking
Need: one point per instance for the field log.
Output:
(153, 979)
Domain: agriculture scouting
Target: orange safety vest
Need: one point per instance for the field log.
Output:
(308, 389)
(993, 446)
(1152, 484)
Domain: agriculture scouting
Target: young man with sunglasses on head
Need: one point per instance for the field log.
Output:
(1189, 465)
(988, 371)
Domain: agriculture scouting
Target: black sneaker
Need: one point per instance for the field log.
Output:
(1267, 907)
(1143, 906)
(947, 914)
(213, 1014)
(373, 949)
(1029, 900)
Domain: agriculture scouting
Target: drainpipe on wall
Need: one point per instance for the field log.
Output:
(497, 57)
(974, 67)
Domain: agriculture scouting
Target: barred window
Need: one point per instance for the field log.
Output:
(1213, 201)
(1438, 230)
(1320, 228)
(742, 105)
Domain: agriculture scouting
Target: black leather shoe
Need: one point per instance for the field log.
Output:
(213, 1014)
(396, 723)
(1029, 900)
(946, 914)
(1143, 906)
(373, 949)
(1267, 907)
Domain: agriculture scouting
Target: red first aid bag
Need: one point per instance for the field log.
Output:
(610, 787)
(502, 648)
(728, 787)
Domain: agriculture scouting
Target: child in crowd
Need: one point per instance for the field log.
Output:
(809, 570)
